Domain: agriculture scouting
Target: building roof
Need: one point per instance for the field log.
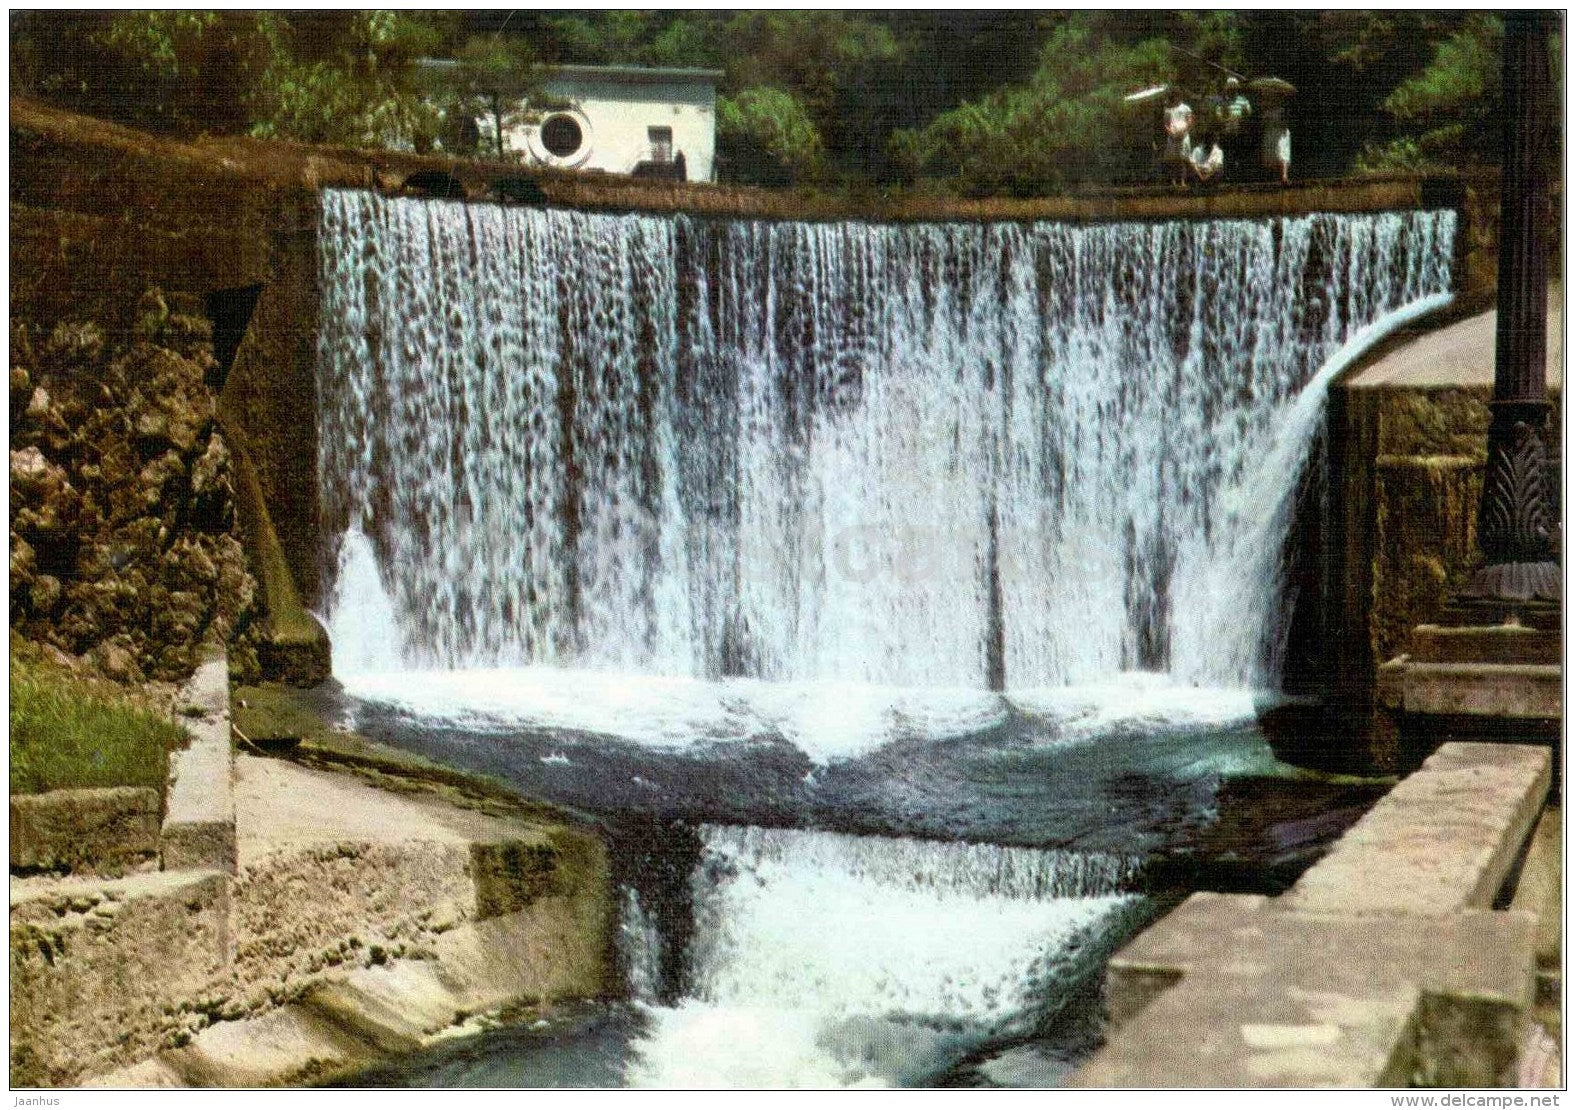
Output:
(634, 75)
(624, 75)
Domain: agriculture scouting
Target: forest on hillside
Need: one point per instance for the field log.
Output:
(975, 102)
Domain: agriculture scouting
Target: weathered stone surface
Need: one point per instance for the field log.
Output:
(1538, 888)
(199, 822)
(1443, 840)
(290, 1046)
(107, 827)
(1484, 690)
(98, 969)
(121, 497)
(554, 950)
(547, 952)
(1408, 443)
(357, 932)
(1505, 643)
(1383, 966)
(1265, 996)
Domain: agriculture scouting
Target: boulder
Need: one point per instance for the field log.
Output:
(75, 345)
(44, 594)
(23, 564)
(117, 659)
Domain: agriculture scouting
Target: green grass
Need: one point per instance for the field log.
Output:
(69, 732)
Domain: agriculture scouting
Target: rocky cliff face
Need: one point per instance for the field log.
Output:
(123, 536)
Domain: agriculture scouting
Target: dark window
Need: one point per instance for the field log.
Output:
(561, 135)
(661, 143)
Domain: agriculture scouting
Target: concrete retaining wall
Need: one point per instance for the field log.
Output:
(1385, 965)
(110, 827)
(306, 922)
(98, 968)
(199, 819)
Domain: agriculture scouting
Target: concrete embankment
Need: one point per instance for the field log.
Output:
(307, 922)
(1385, 965)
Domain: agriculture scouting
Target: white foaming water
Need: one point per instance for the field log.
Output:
(362, 627)
(820, 959)
(639, 948)
(826, 720)
(782, 450)
(1135, 699)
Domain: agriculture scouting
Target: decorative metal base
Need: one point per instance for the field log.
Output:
(1516, 582)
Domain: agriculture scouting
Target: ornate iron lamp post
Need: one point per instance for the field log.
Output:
(1516, 521)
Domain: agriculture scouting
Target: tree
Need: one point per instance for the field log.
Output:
(980, 100)
(1065, 125)
(184, 72)
(493, 80)
(1450, 108)
(317, 76)
(346, 77)
(766, 137)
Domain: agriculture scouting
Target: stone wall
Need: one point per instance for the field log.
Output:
(100, 213)
(1399, 537)
(123, 537)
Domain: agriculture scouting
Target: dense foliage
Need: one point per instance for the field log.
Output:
(977, 101)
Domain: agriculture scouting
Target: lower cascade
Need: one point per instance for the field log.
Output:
(954, 455)
(822, 959)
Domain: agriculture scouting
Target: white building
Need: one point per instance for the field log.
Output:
(626, 119)
(648, 122)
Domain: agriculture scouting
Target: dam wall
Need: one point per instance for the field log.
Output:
(99, 213)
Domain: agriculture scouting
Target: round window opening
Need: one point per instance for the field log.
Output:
(561, 136)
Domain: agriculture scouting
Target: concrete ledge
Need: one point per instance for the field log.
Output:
(100, 968)
(1526, 691)
(534, 956)
(372, 921)
(109, 826)
(199, 821)
(1444, 839)
(1504, 644)
(1273, 998)
(1383, 966)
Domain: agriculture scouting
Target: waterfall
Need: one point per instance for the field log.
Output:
(944, 455)
(823, 959)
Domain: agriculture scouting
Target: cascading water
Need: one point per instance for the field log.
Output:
(819, 959)
(940, 455)
(631, 478)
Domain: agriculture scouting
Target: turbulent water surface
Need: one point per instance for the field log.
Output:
(891, 592)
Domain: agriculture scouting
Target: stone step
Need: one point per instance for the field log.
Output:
(1383, 966)
(1515, 690)
(104, 826)
(1232, 991)
(1503, 644)
(199, 817)
(532, 957)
